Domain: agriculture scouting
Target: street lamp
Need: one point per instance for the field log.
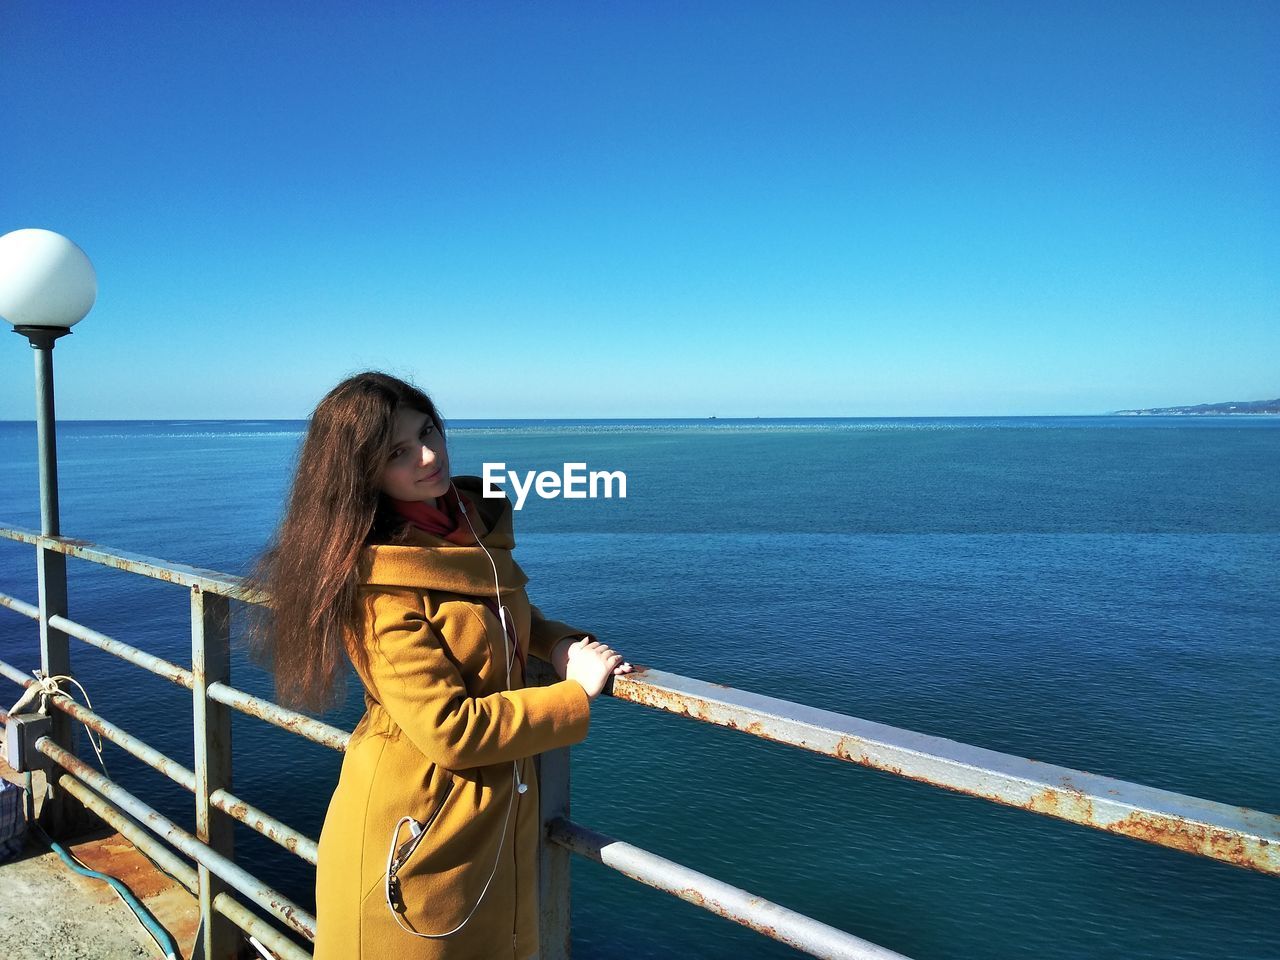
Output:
(47, 285)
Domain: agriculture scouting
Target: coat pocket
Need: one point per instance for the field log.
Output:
(395, 843)
(402, 852)
(434, 884)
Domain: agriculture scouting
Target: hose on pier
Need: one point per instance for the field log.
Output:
(158, 933)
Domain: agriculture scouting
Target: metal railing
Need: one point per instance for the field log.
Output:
(1234, 835)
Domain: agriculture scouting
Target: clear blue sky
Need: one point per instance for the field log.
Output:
(658, 209)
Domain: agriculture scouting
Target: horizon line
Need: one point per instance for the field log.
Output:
(976, 416)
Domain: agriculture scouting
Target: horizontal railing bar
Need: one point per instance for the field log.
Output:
(251, 923)
(147, 661)
(251, 816)
(17, 676)
(20, 606)
(1239, 836)
(306, 727)
(253, 888)
(763, 916)
(211, 581)
(290, 720)
(265, 824)
(170, 863)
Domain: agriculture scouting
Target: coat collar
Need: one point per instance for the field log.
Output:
(426, 561)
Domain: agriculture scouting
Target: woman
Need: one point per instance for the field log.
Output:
(429, 846)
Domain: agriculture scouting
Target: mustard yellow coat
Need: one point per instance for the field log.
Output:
(439, 736)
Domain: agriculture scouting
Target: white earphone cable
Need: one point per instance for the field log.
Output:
(518, 785)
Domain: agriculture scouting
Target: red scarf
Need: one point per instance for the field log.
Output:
(444, 520)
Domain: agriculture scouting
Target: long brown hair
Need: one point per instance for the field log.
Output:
(335, 509)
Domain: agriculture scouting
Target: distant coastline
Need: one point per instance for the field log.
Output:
(1236, 407)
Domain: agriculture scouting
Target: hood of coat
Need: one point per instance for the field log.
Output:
(426, 561)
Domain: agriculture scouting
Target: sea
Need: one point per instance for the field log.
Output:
(1101, 593)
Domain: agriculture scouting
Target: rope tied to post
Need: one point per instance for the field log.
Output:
(46, 688)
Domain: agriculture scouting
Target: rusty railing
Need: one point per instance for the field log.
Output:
(1235, 835)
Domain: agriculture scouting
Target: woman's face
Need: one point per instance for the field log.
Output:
(417, 466)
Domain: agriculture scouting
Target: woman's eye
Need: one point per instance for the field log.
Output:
(395, 453)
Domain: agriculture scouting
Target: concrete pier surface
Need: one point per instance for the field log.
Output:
(50, 912)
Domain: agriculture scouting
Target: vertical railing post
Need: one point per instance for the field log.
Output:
(554, 927)
(211, 663)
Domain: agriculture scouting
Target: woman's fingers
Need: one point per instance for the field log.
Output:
(613, 658)
(598, 645)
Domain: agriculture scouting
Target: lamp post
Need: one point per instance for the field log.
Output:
(47, 285)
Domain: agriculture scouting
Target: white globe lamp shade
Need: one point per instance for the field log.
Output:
(45, 280)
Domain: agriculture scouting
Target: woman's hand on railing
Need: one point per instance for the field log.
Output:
(591, 663)
(560, 657)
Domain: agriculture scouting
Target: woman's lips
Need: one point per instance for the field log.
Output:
(430, 477)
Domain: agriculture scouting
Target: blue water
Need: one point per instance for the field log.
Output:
(1099, 593)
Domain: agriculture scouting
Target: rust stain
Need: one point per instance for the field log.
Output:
(1192, 838)
(851, 748)
(1066, 802)
(293, 917)
(693, 896)
(172, 904)
(696, 897)
(118, 858)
